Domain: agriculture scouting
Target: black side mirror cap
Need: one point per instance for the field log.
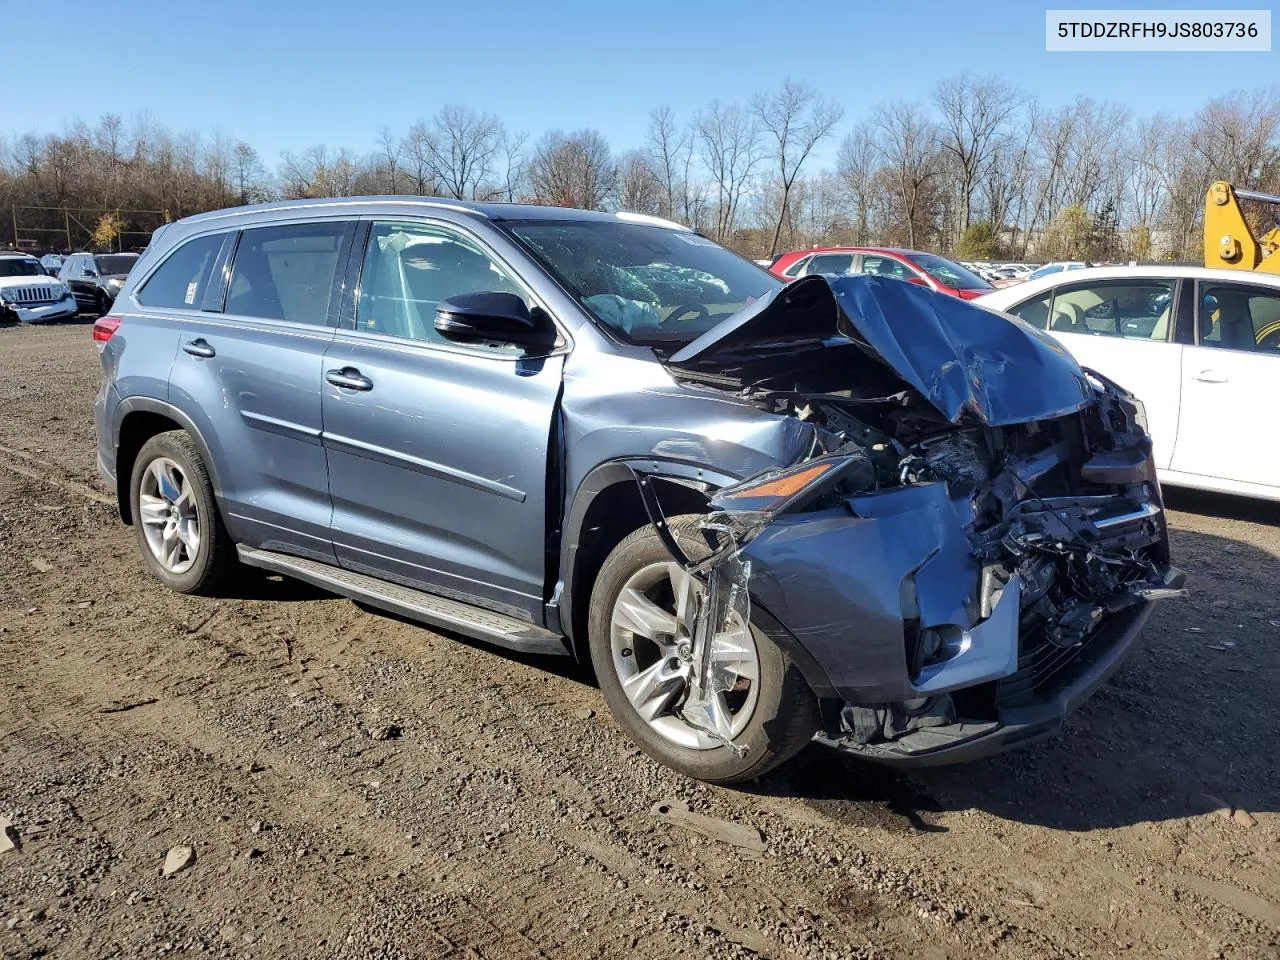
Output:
(493, 318)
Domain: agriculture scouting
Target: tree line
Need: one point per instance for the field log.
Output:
(979, 170)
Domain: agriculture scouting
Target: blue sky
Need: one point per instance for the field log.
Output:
(283, 74)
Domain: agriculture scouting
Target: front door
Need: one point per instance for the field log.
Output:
(437, 451)
(1231, 386)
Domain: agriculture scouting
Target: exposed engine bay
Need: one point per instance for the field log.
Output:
(1063, 510)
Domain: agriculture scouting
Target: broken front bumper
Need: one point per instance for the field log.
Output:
(58, 310)
(852, 589)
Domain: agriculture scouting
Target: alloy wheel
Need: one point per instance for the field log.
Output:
(650, 636)
(170, 515)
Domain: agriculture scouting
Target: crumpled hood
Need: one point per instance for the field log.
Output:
(960, 357)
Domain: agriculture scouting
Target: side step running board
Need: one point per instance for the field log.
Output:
(435, 611)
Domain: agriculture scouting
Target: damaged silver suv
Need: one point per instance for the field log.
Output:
(847, 508)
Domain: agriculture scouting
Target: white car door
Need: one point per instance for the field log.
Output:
(1123, 328)
(1231, 386)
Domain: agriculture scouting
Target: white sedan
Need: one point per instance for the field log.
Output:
(1200, 348)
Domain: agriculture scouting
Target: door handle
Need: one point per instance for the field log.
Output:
(199, 348)
(349, 378)
(1210, 376)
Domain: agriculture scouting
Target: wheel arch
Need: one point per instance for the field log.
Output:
(606, 507)
(137, 420)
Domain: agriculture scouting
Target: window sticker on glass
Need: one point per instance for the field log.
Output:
(191, 291)
(694, 239)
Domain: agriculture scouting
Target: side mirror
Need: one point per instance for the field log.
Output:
(90, 272)
(493, 318)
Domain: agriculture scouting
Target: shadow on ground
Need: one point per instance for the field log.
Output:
(1192, 711)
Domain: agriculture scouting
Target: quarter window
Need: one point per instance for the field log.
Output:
(410, 268)
(796, 268)
(1237, 317)
(183, 279)
(286, 272)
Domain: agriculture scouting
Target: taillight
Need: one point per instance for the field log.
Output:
(103, 328)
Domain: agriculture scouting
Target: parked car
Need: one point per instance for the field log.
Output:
(926, 269)
(96, 278)
(1200, 347)
(1059, 266)
(845, 506)
(52, 263)
(28, 294)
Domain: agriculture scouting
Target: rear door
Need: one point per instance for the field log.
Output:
(249, 373)
(438, 451)
(1124, 329)
(1231, 386)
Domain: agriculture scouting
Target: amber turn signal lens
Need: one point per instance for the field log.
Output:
(783, 486)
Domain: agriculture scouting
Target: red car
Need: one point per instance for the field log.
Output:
(927, 269)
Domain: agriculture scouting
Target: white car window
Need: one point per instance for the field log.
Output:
(1239, 317)
(1136, 309)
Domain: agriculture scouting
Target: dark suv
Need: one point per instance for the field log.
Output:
(96, 278)
(846, 507)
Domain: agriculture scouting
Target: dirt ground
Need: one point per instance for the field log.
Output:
(356, 786)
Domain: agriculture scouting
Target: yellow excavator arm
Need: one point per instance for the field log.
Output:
(1228, 238)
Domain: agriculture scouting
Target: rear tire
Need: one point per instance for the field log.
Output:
(175, 516)
(783, 709)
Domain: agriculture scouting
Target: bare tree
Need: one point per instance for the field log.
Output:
(460, 146)
(515, 165)
(794, 120)
(855, 169)
(392, 147)
(640, 188)
(907, 142)
(418, 160)
(975, 112)
(248, 174)
(670, 149)
(573, 170)
(730, 142)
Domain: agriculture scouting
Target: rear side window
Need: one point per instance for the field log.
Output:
(884, 267)
(286, 273)
(830, 263)
(183, 278)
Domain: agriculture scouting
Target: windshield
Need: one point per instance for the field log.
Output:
(947, 273)
(647, 284)
(120, 263)
(15, 267)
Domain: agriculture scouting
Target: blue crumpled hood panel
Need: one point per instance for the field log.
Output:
(960, 357)
(963, 357)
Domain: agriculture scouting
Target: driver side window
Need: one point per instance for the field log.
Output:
(409, 268)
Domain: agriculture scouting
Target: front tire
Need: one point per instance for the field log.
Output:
(175, 516)
(637, 622)
(104, 303)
